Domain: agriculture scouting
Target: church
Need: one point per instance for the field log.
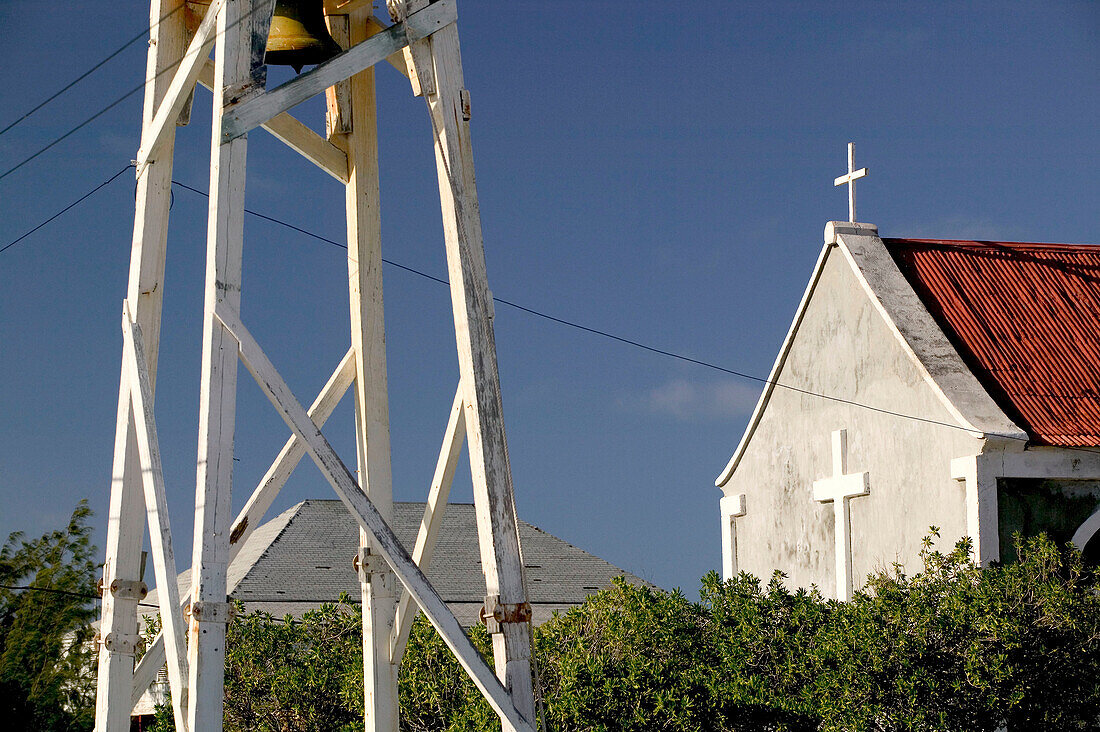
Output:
(922, 383)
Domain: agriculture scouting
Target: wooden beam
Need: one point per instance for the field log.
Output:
(378, 589)
(256, 110)
(364, 512)
(125, 534)
(418, 58)
(428, 535)
(238, 28)
(144, 293)
(309, 145)
(344, 7)
(338, 96)
(257, 505)
(156, 508)
(249, 517)
(471, 302)
(396, 59)
(181, 86)
(297, 136)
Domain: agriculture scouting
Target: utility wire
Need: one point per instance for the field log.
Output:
(638, 344)
(80, 200)
(561, 321)
(116, 102)
(69, 593)
(97, 598)
(530, 311)
(90, 71)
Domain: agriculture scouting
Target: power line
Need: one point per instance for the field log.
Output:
(87, 195)
(638, 344)
(115, 103)
(91, 70)
(69, 593)
(562, 321)
(97, 598)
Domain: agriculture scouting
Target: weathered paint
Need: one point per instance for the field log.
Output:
(863, 334)
(845, 348)
(1026, 318)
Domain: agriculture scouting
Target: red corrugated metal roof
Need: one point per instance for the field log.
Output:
(1026, 318)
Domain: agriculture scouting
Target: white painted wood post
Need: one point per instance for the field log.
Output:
(731, 507)
(233, 79)
(238, 76)
(156, 508)
(125, 533)
(255, 508)
(144, 293)
(364, 512)
(357, 111)
(471, 302)
(296, 136)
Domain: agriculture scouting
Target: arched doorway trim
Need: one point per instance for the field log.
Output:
(1086, 531)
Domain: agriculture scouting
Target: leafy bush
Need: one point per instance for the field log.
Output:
(761, 638)
(953, 647)
(957, 647)
(295, 675)
(47, 660)
(629, 658)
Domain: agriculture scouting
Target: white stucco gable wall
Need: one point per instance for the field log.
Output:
(845, 343)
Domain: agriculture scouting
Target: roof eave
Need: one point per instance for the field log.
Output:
(927, 346)
(773, 376)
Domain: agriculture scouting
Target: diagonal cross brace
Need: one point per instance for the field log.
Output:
(256, 507)
(156, 508)
(342, 481)
(254, 111)
(428, 535)
(190, 66)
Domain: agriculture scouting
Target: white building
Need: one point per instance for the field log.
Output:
(922, 383)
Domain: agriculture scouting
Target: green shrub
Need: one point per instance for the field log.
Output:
(957, 647)
(952, 648)
(629, 658)
(47, 660)
(760, 639)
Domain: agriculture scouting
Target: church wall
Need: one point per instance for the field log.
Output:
(845, 348)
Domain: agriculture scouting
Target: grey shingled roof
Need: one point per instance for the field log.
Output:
(303, 557)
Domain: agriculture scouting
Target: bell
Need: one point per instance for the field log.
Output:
(297, 37)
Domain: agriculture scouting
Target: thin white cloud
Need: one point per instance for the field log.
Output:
(695, 400)
(960, 227)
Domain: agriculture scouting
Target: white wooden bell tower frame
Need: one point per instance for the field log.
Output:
(423, 44)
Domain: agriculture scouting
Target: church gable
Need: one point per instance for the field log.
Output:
(911, 365)
(843, 345)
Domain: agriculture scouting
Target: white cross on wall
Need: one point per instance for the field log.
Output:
(838, 489)
(850, 178)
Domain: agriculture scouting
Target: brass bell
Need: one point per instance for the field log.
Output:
(297, 37)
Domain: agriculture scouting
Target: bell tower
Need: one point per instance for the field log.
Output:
(343, 40)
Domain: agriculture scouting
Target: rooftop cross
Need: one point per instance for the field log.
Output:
(850, 178)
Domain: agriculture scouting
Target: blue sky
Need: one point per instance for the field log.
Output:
(659, 171)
